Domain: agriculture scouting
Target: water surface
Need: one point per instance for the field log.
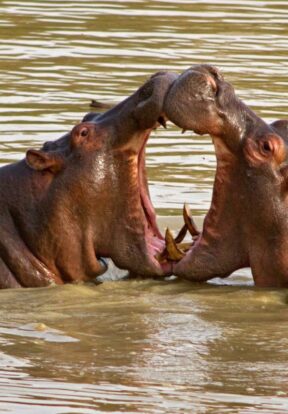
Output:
(140, 346)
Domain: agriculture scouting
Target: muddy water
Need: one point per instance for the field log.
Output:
(140, 346)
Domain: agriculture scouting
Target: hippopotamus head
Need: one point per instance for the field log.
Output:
(86, 196)
(247, 223)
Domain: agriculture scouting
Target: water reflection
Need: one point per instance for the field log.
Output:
(145, 347)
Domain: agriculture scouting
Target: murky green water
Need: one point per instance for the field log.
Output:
(140, 346)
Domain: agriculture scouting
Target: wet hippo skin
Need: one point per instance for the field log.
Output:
(247, 223)
(84, 196)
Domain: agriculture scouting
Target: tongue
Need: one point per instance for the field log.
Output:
(167, 268)
(155, 244)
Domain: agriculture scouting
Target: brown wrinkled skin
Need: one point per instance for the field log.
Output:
(247, 224)
(79, 198)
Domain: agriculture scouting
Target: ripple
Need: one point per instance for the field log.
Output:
(153, 347)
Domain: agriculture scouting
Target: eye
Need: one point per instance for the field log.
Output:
(269, 151)
(84, 132)
(266, 146)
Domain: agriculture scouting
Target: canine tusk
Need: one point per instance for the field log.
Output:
(174, 253)
(188, 220)
(182, 233)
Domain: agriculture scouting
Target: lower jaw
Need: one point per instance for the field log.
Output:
(179, 268)
(167, 268)
(158, 269)
(155, 248)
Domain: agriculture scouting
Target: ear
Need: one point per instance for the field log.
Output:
(82, 133)
(281, 127)
(87, 135)
(44, 161)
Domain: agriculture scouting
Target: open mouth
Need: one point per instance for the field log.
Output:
(154, 240)
(164, 251)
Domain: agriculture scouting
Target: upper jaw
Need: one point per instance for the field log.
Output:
(191, 101)
(202, 101)
(140, 112)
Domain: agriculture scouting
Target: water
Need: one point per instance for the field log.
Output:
(140, 346)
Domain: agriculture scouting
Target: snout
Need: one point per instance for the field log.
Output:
(190, 102)
(139, 114)
(148, 102)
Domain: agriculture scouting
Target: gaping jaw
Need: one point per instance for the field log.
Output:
(194, 101)
(155, 243)
(163, 252)
(200, 100)
(143, 249)
(130, 124)
(211, 252)
(246, 224)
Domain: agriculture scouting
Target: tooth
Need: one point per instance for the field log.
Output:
(162, 121)
(183, 131)
(185, 246)
(182, 233)
(173, 252)
(188, 220)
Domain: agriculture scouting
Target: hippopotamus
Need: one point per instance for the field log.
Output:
(247, 223)
(84, 197)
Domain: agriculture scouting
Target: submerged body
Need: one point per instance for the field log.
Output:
(82, 197)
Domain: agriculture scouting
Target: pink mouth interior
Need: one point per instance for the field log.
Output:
(154, 239)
